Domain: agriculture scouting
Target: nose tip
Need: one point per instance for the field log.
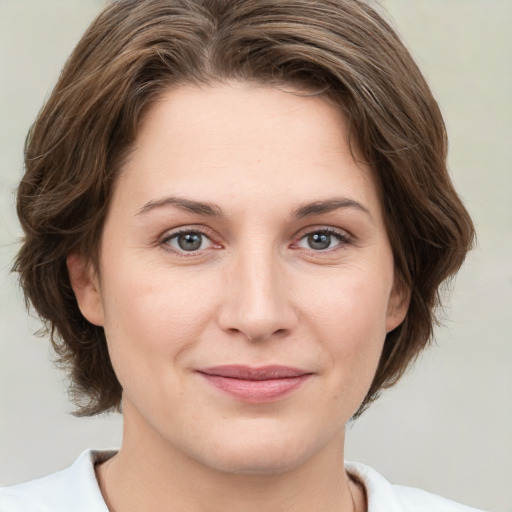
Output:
(259, 332)
(257, 303)
(256, 320)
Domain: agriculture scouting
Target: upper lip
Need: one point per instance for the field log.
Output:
(251, 373)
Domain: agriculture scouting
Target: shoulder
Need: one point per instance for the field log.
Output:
(74, 488)
(385, 497)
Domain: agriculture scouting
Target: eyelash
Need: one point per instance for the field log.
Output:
(343, 238)
(164, 242)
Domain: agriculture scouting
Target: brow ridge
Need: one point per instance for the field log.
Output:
(328, 205)
(213, 210)
(188, 205)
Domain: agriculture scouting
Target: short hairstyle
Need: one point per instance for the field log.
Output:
(134, 51)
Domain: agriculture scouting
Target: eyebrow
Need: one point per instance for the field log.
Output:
(329, 205)
(187, 205)
(212, 210)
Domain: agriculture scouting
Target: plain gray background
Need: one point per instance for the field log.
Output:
(447, 426)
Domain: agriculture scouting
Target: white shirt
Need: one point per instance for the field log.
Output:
(76, 489)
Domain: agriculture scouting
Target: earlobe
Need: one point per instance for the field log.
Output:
(85, 284)
(398, 306)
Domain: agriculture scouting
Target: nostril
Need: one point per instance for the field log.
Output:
(263, 336)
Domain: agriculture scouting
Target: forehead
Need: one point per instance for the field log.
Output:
(242, 140)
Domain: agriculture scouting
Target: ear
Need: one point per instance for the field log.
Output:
(85, 284)
(398, 306)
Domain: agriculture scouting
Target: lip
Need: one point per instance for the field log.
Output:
(256, 385)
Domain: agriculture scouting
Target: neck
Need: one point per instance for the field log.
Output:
(150, 474)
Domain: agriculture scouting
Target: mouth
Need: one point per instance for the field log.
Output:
(256, 385)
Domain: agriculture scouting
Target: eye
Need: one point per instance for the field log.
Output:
(187, 241)
(322, 240)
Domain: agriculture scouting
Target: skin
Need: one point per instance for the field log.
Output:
(255, 293)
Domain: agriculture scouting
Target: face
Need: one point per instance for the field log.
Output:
(246, 278)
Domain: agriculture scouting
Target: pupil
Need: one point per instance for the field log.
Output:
(189, 241)
(319, 241)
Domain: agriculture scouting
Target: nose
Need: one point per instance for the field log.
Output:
(258, 300)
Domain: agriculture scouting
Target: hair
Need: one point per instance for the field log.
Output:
(134, 51)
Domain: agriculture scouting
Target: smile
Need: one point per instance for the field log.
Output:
(255, 385)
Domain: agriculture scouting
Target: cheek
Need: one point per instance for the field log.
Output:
(349, 319)
(153, 317)
(350, 301)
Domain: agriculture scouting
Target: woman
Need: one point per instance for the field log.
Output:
(237, 218)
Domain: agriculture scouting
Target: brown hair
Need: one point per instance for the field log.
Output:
(136, 49)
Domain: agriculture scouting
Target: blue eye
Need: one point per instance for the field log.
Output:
(188, 241)
(322, 240)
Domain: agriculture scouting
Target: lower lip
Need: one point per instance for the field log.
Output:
(257, 391)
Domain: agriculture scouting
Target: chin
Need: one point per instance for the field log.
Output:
(259, 456)
(260, 463)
